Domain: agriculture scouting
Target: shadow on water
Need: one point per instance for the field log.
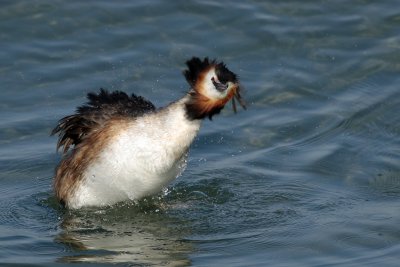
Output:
(138, 233)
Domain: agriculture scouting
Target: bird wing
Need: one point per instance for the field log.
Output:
(100, 107)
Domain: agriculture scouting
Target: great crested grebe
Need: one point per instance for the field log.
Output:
(123, 148)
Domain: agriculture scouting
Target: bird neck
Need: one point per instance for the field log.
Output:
(177, 120)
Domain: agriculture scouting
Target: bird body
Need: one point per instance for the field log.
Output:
(138, 153)
(125, 149)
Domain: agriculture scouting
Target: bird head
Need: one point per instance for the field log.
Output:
(212, 86)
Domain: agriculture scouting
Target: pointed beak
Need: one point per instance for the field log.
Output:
(219, 86)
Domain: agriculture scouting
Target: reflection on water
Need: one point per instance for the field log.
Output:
(126, 233)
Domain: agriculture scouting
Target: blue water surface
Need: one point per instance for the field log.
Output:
(307, 176)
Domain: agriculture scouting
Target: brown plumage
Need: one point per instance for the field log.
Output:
(117, 147)
(100, 108)
(69, 171)
(104, 111)
(201, 105)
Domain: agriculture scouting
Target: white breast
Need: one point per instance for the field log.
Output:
(140, 161)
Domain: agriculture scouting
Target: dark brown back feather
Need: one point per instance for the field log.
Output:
(95, 113)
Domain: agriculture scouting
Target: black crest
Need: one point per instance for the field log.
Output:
(224, 74)
(195, 67)
(96, 112)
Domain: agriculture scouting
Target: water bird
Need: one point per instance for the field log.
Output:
(118, 147)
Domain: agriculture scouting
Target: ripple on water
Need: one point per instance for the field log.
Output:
(205, 191)
(387, 183)
(33, 225)
(27, 211)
